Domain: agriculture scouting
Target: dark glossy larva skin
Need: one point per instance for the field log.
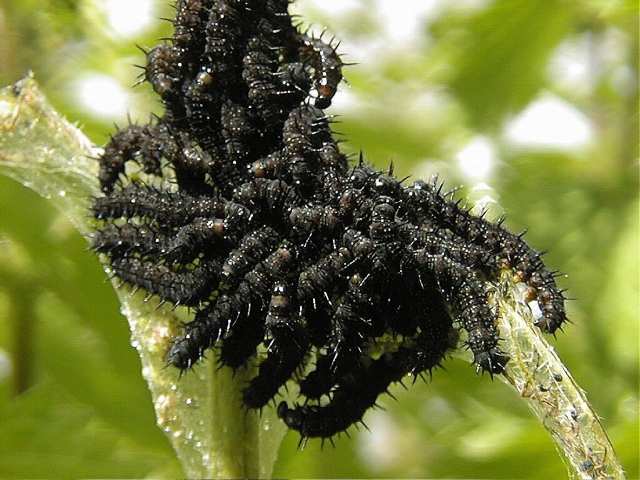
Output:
(257, 222)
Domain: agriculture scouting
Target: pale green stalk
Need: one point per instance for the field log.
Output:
(538, 375)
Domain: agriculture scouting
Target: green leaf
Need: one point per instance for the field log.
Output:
(502, 54)
(44, 433)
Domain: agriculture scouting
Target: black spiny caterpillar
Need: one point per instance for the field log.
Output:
(265, 231)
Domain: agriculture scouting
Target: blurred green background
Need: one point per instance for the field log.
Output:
(532, 106)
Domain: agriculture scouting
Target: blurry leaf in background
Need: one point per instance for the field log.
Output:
(45, 433)
(501, 53)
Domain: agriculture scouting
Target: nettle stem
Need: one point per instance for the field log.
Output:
(538, 375)
(201, 413)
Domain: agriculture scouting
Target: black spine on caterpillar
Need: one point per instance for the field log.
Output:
(286, 348)
(134, 143)
(466, 292)
(351, 325)
(121, 240)
(209, 325)
(169, 209)
(316, 285)
(252, 298)
(180, 286)
(181, 245)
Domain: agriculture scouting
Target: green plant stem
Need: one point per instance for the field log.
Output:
(540, 378)
(201, 413)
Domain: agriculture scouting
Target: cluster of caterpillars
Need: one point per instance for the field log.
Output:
(289, 257)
